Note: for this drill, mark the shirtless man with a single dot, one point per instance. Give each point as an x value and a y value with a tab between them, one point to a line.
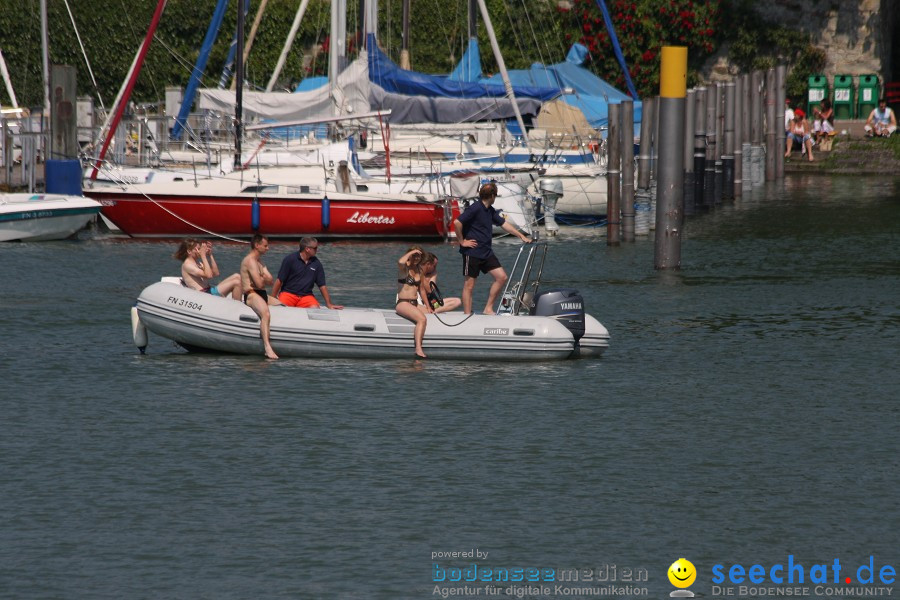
254	279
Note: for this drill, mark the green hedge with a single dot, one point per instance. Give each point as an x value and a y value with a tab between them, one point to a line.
112	31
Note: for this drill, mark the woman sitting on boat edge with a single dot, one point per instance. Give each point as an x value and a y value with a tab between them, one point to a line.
438	303
198	266
411	285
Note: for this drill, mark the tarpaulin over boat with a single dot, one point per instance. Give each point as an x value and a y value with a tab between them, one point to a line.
386	74
348	96
579	87
424	109
469	67
355	94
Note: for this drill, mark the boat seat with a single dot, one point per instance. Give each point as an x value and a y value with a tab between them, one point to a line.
177	280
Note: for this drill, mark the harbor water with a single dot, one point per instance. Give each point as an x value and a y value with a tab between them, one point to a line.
746	412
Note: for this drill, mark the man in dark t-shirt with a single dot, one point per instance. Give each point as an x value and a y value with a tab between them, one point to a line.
474	230
299	272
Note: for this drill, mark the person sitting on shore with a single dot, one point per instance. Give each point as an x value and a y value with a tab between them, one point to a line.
881	121
788	115
198	266
799	133
823	126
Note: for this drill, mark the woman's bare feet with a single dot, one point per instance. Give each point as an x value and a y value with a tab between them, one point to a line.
420	353
271	354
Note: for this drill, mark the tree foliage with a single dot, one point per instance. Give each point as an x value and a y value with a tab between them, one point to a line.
527	30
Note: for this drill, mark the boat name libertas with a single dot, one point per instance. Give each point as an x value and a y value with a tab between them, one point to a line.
365	218
184	303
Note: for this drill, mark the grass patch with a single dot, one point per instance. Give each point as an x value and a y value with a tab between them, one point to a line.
891	143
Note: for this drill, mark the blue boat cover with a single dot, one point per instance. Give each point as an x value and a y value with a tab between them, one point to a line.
390	77
579	87
469	67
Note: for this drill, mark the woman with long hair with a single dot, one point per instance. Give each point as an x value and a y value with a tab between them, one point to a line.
411	284
438	303
198	267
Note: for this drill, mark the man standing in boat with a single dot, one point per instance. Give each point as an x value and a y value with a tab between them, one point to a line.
474	230
254	279
299	272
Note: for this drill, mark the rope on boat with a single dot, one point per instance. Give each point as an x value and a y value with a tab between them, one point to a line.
182	219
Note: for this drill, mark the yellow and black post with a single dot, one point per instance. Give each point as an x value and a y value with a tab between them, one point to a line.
669	191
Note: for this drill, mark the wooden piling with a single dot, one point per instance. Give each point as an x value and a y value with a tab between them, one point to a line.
613	171
700	150
738	135
689	115
728	149
627	114
647	128
720	143
709	188
771	150
780	133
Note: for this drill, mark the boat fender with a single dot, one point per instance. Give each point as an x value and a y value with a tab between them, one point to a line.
434	297
138	330
326	212
254	215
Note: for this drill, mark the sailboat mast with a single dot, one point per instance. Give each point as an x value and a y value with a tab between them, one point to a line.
404	51
45	58
295	26
252	36
239	91
473	20
8	82
503	72
125	94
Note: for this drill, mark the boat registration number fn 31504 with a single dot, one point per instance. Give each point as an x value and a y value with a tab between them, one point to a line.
184	303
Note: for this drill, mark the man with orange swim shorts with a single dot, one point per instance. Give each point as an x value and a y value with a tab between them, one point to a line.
299	272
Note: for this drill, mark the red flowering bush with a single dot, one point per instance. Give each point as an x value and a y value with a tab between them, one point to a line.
642	28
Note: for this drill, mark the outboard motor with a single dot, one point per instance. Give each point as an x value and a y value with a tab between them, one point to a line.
551	192
565	305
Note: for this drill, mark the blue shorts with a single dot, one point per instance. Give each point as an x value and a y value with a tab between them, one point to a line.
214	290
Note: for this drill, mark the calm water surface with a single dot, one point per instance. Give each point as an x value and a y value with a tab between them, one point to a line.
746	411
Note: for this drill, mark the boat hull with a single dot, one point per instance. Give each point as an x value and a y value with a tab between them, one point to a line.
36	218
169	215
198	321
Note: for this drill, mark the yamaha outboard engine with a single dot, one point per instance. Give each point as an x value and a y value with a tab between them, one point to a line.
565	305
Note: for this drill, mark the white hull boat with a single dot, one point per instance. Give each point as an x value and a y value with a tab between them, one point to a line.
42	217
549	325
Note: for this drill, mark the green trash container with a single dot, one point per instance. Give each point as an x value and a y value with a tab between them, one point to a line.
843	97
867	96
818	91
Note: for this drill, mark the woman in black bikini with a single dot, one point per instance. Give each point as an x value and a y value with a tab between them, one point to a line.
411	283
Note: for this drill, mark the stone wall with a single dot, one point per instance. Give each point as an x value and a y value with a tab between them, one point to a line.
855	34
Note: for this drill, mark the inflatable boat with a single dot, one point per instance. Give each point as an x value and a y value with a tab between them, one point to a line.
531	325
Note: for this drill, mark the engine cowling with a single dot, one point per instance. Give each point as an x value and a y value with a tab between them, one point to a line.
565	305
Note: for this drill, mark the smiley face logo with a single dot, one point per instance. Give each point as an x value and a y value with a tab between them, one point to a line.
682	573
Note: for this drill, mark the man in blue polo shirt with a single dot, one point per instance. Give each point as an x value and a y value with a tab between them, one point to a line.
474	230
299	272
